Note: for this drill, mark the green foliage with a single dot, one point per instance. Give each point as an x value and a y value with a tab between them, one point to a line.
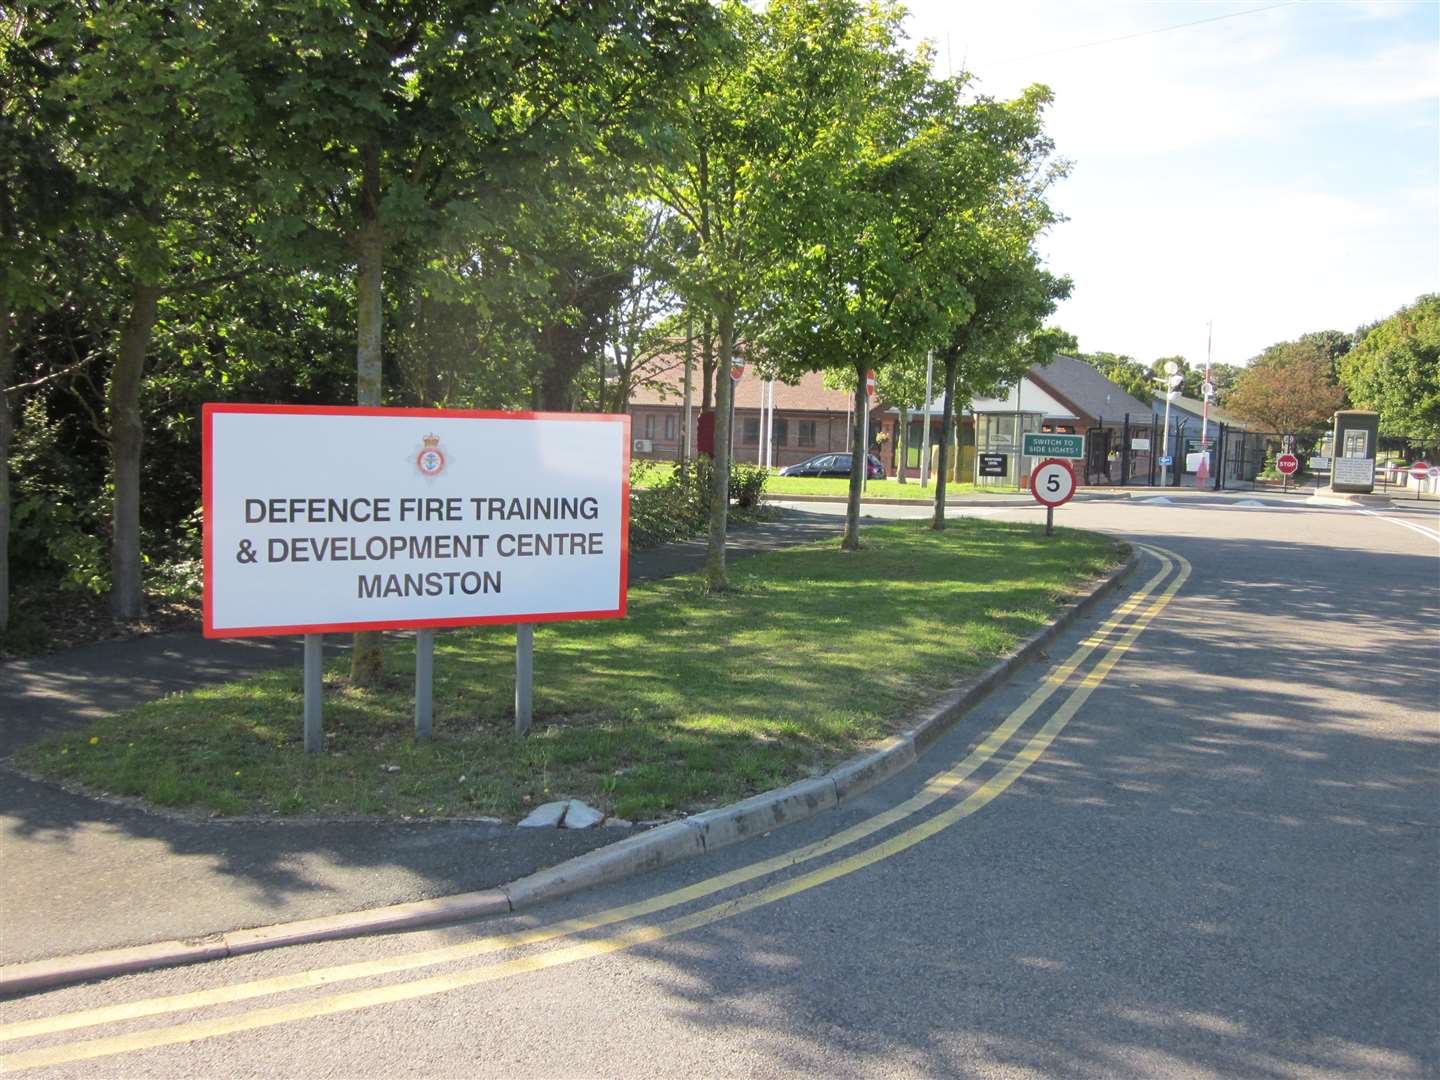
57	526
673	503
747	486
1395	370
1125	371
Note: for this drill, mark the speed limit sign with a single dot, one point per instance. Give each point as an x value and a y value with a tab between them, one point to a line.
1053	482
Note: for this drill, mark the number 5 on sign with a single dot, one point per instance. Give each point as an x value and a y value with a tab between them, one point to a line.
1052	483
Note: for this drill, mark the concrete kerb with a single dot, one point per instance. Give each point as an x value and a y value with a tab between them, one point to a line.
669	843
1009	500
64	970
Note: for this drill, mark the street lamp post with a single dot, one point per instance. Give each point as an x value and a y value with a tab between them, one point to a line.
1173	381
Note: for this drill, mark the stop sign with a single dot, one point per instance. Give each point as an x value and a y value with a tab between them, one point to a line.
1287	463
870	384
1420	470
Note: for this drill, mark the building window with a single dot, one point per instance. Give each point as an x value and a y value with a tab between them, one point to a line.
805	435
670	428
779	431
649	425
751	435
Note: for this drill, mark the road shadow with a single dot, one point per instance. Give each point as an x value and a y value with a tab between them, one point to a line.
1233	872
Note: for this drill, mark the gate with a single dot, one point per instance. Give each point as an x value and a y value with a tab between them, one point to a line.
1247	461
1097	456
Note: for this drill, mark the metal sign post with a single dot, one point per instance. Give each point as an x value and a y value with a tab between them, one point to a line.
687	441
865	440
314	685
1286	464
524	676
925	431
424	681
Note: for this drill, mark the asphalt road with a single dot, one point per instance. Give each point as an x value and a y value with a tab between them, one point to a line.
1200	841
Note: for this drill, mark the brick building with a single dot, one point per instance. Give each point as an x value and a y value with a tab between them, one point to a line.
809	419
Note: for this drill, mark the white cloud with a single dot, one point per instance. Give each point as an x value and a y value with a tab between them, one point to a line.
1196	192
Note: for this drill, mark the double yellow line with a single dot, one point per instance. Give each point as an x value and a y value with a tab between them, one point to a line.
938	787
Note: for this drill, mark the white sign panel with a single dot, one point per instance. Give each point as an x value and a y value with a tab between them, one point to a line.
1139	444
1353	471
321	519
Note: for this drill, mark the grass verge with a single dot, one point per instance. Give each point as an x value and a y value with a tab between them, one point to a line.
691	701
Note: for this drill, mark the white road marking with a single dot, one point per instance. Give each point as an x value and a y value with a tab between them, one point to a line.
1421	529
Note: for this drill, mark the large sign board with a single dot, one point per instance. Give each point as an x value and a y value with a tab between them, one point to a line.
1036	444
327	519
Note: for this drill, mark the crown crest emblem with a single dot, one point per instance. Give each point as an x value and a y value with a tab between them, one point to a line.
431	459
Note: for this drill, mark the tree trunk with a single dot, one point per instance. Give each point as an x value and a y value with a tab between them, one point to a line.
566	352
7	431
715	578
858	451
367	659
127	439
902	444
952	361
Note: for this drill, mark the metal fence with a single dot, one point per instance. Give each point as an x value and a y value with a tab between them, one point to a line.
1128	453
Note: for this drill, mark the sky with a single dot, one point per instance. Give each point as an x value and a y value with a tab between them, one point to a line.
1273	169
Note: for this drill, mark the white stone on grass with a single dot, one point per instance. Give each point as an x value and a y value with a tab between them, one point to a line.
581	816
546	816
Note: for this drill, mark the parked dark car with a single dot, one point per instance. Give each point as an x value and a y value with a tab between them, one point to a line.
832	465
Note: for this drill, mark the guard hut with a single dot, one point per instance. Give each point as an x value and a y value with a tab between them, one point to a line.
1000	426
1355	438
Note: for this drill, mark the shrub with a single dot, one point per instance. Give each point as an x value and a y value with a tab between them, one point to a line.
676	505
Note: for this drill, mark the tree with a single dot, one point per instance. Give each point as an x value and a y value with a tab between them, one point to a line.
138	101
881	242
1223	376
645	326
1290	390
33	186
1125	371
394	123
1001	340
1395	370
758	124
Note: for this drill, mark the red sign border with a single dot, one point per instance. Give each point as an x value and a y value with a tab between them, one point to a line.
1420	470
209	410
1035	492
1293	457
